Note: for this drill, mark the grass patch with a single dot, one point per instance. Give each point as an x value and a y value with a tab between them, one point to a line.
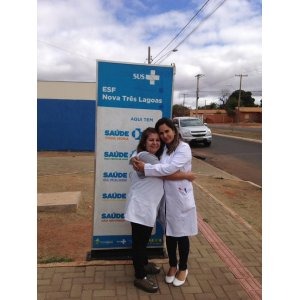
54	259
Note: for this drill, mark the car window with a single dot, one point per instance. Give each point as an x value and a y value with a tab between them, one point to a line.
190	122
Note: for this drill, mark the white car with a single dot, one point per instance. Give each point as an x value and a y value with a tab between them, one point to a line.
192	129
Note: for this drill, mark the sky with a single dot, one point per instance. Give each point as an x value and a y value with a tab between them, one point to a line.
216	38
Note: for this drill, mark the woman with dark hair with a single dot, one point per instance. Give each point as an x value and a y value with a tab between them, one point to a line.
180	208
142	205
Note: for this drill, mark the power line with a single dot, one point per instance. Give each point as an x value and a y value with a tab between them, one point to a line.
62	49
177	35
201	23
231	77
190	95
184	39
184	94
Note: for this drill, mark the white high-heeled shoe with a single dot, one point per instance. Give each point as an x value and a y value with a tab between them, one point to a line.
177	282
170	279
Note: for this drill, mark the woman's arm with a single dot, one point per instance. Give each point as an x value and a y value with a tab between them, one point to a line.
132	158
181	158
181	175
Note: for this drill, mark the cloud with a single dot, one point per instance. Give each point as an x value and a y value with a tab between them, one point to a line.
73	34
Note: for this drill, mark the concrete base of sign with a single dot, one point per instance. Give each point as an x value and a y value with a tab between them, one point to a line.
58	202
123	254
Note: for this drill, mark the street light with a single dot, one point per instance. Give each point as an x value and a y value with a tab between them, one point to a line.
161	59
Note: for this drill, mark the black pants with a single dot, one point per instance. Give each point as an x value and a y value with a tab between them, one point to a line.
140	238
183	244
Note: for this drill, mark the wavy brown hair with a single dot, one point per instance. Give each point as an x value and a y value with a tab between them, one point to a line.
168	122
142	143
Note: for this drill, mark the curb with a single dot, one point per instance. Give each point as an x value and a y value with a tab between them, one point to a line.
239	138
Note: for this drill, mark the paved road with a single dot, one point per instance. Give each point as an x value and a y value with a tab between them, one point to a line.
238	157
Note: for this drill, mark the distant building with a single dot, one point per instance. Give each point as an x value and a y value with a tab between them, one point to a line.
247	115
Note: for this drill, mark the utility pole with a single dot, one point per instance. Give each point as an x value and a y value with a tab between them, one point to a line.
203	119
184	98
197	92
239	101
149	56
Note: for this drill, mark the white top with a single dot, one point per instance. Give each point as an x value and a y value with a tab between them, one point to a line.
144	195
180	208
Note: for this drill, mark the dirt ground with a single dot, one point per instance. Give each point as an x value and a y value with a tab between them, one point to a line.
66	237
240	197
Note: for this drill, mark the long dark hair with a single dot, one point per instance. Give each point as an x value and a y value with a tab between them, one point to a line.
168	122
142	143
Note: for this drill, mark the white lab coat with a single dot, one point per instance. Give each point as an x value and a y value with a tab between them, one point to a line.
180	208
144	197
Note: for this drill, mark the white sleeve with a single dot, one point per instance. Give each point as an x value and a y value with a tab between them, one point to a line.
148	158
182	156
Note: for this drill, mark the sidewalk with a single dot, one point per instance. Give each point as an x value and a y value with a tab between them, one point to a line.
224	262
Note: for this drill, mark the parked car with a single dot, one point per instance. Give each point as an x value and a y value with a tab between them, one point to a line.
192	129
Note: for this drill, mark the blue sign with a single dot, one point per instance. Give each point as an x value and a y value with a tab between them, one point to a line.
135	86
130	98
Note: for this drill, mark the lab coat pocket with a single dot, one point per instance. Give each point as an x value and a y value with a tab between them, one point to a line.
186	197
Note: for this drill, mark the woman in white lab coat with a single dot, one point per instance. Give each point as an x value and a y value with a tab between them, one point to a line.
142	205
180	208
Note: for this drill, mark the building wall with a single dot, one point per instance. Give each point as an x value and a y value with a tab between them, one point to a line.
250	117
251	114
247	115
212	115
66	113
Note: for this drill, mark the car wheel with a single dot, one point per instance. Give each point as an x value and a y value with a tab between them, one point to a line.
207	144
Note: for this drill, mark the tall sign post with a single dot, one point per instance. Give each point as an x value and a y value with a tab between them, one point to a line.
130	98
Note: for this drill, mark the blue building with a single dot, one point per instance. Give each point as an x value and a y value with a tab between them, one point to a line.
66	113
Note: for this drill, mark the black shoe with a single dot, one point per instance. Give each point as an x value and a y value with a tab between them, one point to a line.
152	268
146	285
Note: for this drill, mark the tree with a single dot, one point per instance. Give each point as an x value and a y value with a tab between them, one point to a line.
213	105
246	101
230	106
246	98
223	98
180	111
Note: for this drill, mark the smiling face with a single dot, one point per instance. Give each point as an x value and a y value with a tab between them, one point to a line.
152	143
166	134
